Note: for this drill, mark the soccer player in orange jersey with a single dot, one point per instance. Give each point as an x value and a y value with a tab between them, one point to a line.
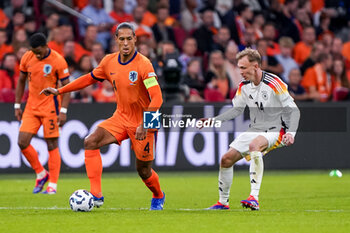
42	67
136	89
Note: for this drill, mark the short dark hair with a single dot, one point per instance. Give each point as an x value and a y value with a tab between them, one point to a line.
125	25
269	23
206	8
70	62
162	6
3	61
260	40
37	39
241	7
323	57
97	43
6	55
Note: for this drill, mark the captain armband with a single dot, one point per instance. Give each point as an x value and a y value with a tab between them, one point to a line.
150	82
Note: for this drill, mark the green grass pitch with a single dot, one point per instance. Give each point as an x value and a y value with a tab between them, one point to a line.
294	201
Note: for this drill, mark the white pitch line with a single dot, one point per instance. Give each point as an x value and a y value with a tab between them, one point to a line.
179	209
327	210
33	208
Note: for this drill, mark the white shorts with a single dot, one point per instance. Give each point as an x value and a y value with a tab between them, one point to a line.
241	143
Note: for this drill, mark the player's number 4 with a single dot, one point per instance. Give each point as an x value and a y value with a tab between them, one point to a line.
146	147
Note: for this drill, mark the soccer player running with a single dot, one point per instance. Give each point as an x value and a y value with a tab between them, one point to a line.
136	88
274	120
42	67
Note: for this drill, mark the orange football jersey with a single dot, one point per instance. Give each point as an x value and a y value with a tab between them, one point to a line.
127	80
41	74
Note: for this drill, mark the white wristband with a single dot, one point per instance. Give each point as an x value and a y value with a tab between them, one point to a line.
17	106
63	110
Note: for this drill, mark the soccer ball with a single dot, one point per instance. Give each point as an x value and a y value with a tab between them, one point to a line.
81	200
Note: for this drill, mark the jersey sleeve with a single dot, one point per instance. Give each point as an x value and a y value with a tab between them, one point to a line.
24	62
148	75
147	70
283	95
290	112
99	73
239	101
238	107
62	69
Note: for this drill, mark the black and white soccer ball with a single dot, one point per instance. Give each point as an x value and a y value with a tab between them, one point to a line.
81	200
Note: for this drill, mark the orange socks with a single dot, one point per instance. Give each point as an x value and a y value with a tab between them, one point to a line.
54	165
93	165
54	162
153	184
33	158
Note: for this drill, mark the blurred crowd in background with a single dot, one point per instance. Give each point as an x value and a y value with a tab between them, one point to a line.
192	44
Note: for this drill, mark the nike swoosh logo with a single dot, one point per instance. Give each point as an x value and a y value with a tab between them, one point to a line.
111	73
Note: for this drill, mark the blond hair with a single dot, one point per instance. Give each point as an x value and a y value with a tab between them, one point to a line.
286	42
252	55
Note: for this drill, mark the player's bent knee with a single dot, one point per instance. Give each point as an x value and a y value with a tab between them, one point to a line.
230	158
90	143
52	144
51	147
22	143
253	147
144	172
258	144
226	161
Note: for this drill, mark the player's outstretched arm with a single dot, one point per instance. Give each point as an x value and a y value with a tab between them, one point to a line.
226	116
229	114
79	83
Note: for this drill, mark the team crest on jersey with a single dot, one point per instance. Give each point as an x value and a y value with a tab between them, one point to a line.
47	69
133	76
264	95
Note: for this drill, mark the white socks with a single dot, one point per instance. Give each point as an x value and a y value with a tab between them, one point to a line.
256	171
225	181
41	174
52	185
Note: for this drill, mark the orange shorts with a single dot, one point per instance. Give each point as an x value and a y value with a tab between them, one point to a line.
144	149
31	124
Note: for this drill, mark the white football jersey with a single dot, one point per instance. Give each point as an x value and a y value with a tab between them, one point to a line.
270	104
